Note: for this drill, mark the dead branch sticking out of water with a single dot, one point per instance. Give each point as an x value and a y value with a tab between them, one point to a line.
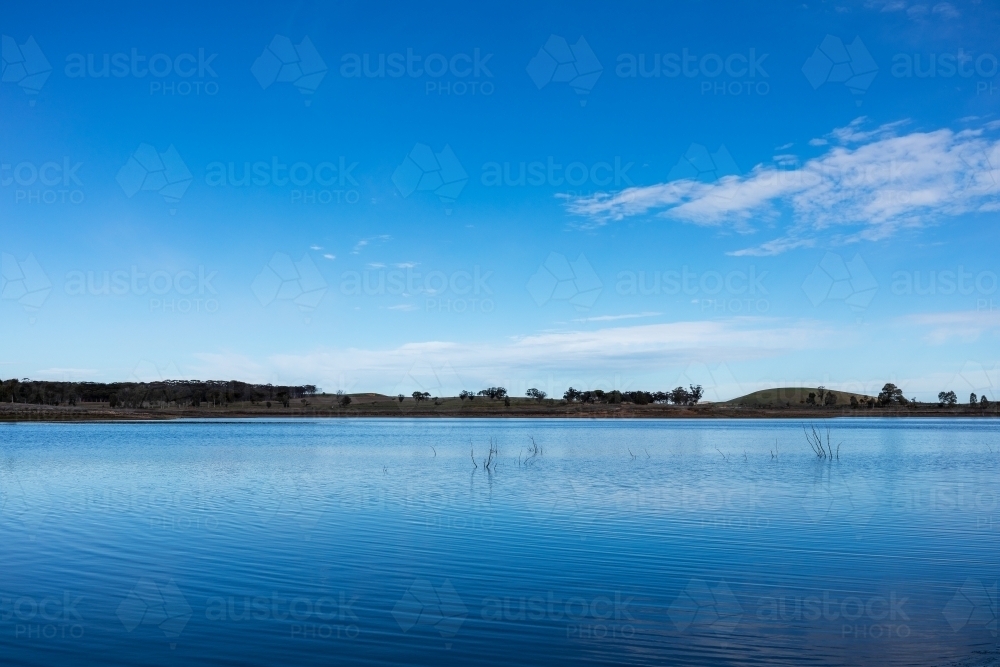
494	454
815	441
535	451
631	454
723	455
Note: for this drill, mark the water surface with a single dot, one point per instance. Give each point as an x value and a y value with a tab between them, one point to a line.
382	542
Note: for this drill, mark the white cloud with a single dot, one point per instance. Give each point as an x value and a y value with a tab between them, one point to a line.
946	10
609	351
966	326
360	245
612	318
773	247
876	181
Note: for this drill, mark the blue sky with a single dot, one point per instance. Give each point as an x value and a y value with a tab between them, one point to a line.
381	197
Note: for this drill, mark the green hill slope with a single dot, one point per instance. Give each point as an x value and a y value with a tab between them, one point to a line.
792	395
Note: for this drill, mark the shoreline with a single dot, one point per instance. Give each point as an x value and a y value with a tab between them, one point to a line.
26	413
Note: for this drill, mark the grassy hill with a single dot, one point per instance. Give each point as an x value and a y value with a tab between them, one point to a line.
793	395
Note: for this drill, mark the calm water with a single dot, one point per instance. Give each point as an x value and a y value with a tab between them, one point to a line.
378	542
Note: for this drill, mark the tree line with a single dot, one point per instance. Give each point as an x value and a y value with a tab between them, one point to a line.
181	393
678	396
893	395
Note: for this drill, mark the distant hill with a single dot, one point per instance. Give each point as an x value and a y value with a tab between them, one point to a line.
794	395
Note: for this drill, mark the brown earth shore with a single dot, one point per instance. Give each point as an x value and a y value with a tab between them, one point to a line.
376	405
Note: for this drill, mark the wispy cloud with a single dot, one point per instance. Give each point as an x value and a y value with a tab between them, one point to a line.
363	243
612	350
875	180
965	326
612	318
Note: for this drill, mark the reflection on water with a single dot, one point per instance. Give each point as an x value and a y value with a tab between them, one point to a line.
647	542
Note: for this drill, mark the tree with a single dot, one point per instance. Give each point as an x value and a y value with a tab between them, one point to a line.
695	392
464	394
854	402
571	394
345	401
421	396
679	396
973	399
830	399
537	394
821	390
983	401
641	397
947	398
811	398
494	393
400	397
890	394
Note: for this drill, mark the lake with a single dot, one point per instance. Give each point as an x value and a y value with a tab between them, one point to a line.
302	542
